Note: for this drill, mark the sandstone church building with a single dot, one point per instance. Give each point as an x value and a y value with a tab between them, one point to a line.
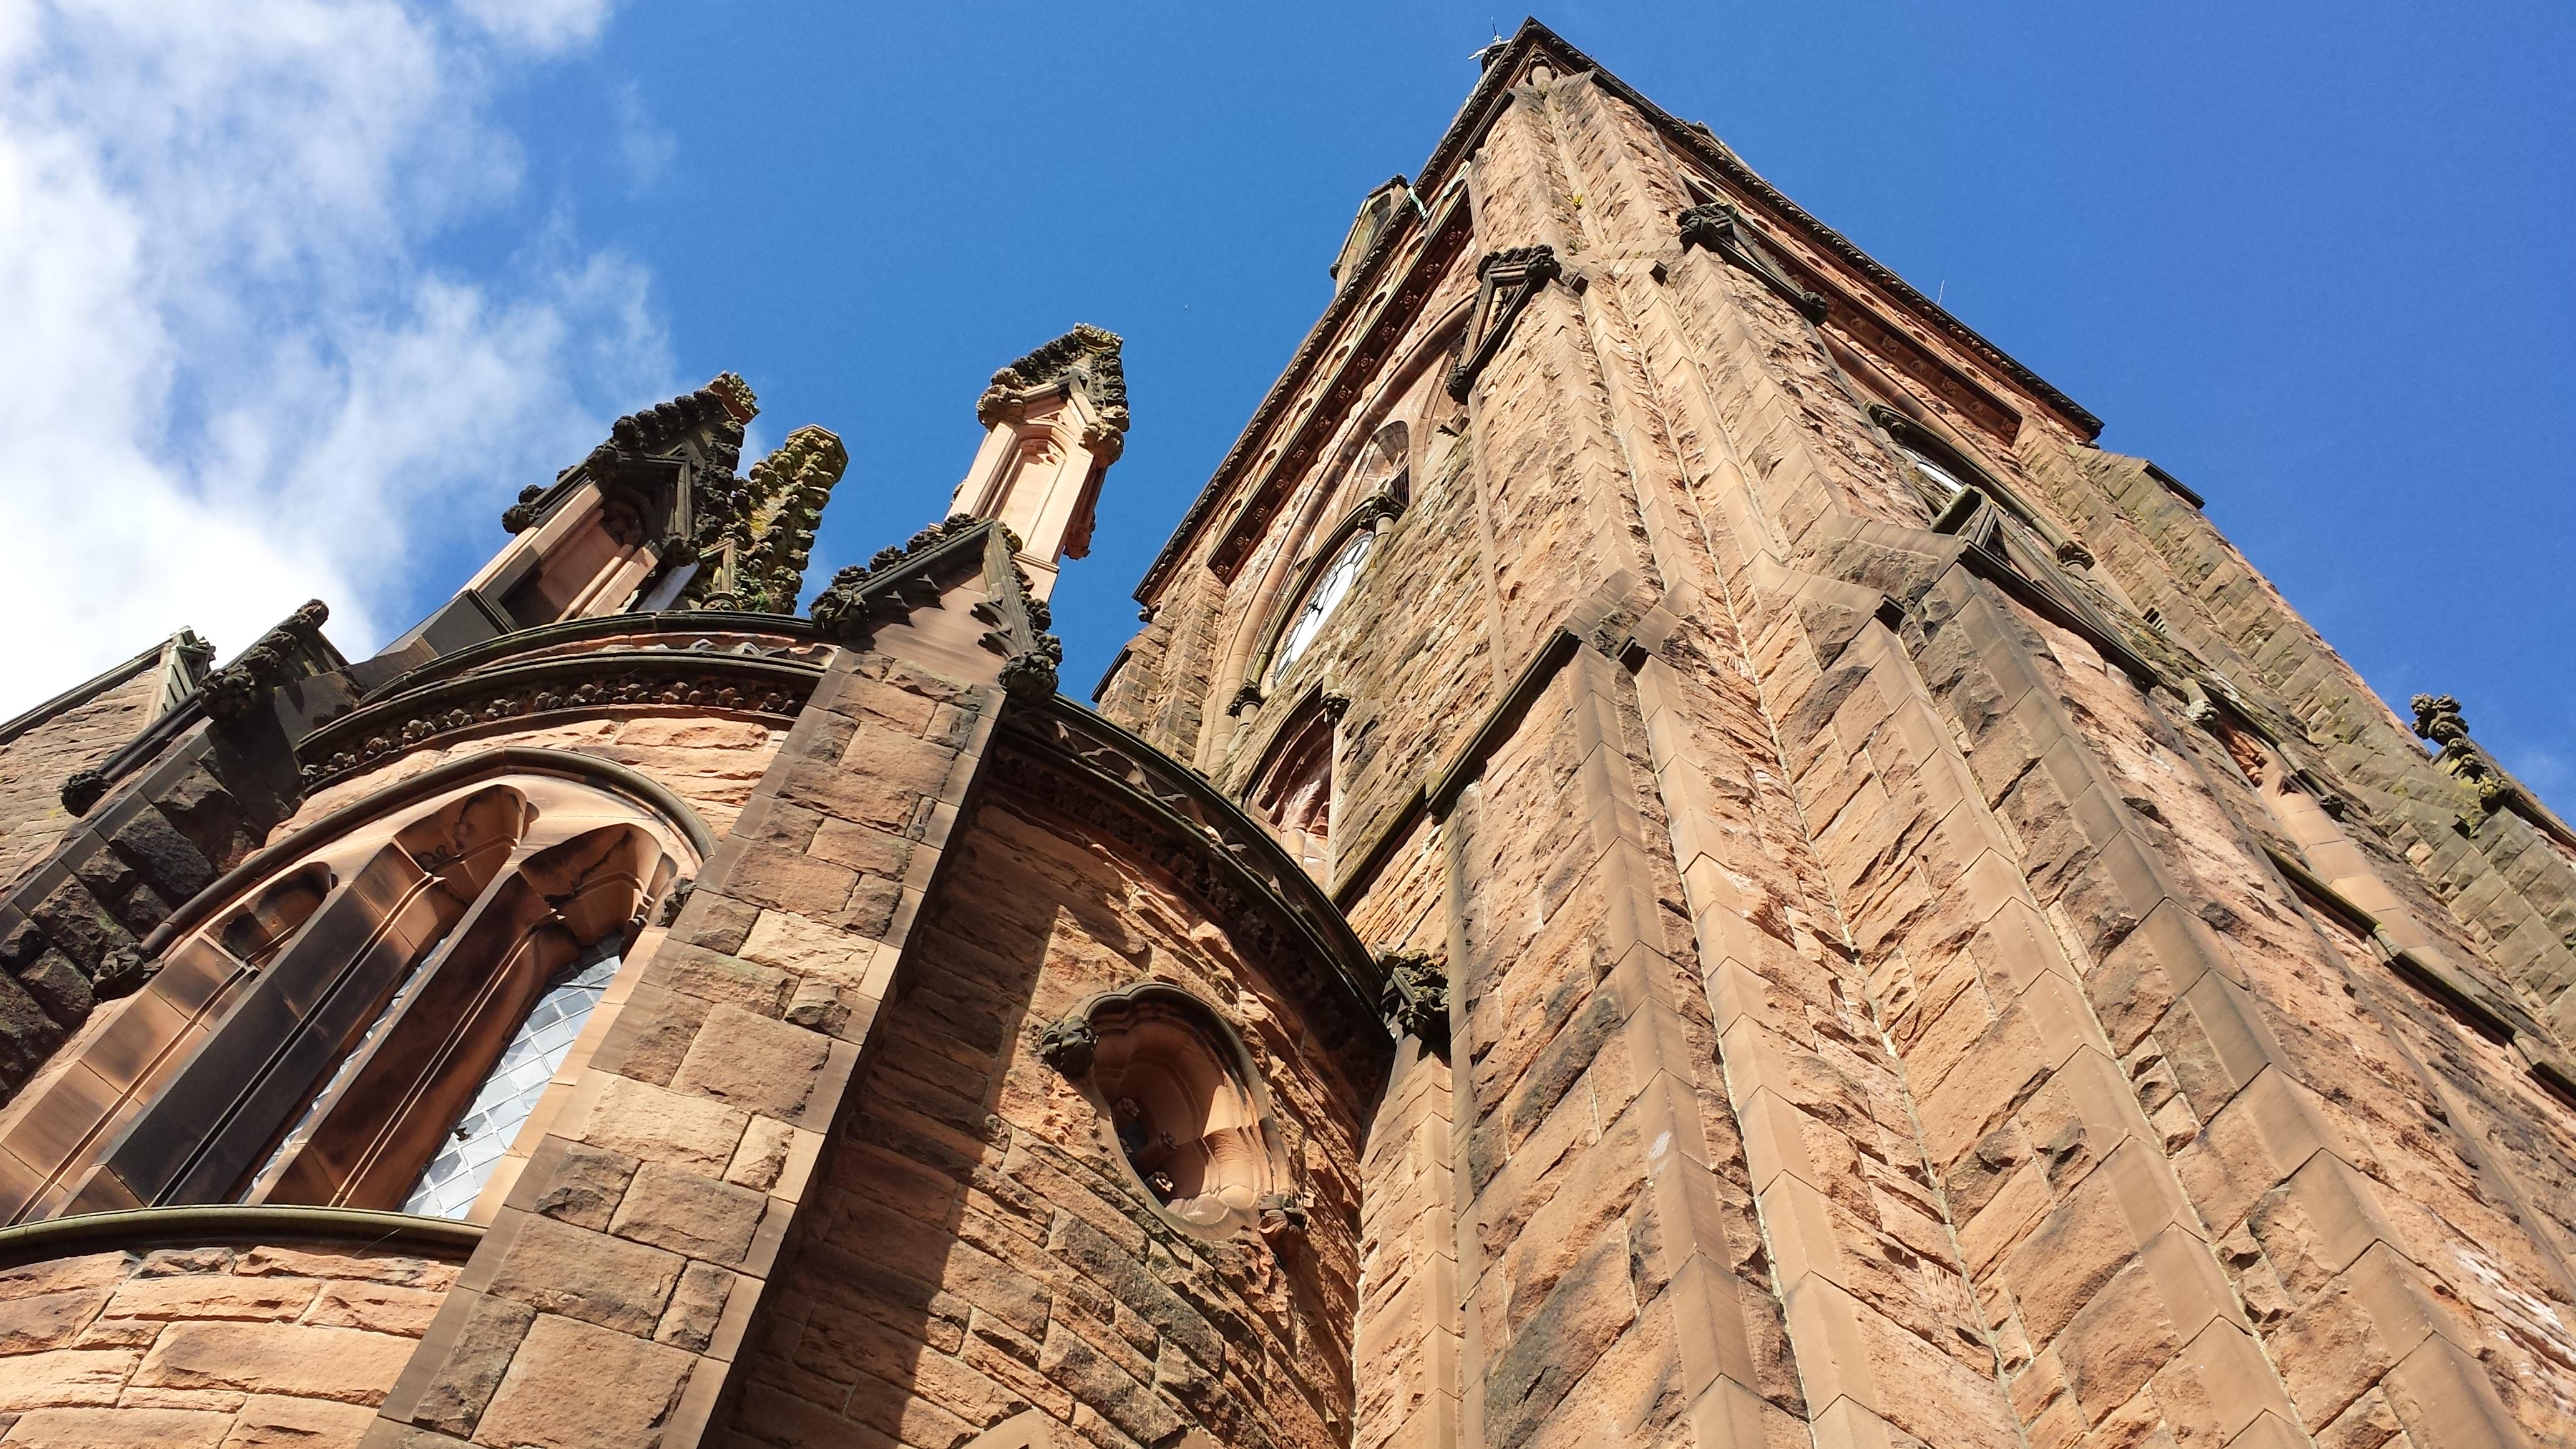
1679	860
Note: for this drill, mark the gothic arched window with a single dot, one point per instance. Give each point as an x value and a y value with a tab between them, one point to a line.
1294	792
379	1002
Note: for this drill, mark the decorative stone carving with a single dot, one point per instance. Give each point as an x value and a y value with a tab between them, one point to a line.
841	609
234	689
83	790
2438	718
763	534
1068	1045
1510	278
1717	229
122	972
1087	358
1031	673
521	516
1417	995
1245	697
760	684
1335	703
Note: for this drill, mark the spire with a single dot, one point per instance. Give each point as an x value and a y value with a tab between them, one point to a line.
1056	420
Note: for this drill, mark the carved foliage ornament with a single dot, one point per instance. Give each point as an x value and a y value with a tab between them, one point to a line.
232	690
766	686
702	429
2438	718
762	534
1417	995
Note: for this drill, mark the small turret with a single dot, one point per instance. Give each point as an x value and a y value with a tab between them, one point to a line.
1057	419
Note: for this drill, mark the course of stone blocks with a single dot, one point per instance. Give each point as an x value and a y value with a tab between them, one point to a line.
1680	859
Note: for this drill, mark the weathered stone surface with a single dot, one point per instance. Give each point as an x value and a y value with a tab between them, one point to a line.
558	1268
285	1358
552	1396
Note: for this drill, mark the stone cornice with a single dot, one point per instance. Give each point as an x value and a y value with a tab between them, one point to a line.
779	633
1067	758
563	686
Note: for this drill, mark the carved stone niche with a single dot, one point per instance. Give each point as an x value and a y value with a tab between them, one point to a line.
1182	1105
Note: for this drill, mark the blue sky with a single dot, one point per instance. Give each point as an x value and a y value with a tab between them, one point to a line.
2319	271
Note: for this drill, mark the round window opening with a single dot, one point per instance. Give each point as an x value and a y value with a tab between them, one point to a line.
1180	1099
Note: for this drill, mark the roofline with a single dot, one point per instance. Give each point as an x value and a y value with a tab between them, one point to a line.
89	689
1484	103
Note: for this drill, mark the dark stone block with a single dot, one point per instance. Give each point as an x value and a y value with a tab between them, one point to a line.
21	941
59	988
83	929
175	868
107	876
208	815
27	1035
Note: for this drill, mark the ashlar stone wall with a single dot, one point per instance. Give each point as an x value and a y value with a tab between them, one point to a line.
976	1251
35	763
1883	1009
217	1347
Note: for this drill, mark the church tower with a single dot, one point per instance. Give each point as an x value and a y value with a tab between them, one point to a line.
1936	951
1681	859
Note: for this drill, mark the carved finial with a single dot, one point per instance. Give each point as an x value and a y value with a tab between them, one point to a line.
1086	357
761	533
736	395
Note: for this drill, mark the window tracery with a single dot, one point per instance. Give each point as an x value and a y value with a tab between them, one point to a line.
397	979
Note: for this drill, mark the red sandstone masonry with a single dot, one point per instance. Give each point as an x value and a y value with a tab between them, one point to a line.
615	1289
977	1251
2064	1118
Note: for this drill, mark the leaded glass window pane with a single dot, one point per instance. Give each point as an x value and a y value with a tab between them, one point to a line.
501	1107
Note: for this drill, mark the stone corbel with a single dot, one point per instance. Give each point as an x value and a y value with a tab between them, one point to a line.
1417	995
1718	230
1510	279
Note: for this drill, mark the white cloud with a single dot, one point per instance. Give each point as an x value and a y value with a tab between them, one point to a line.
646	148
236	382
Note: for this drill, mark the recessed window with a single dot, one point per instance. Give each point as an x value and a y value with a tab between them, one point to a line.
1184	1106
1323	596
1295	793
